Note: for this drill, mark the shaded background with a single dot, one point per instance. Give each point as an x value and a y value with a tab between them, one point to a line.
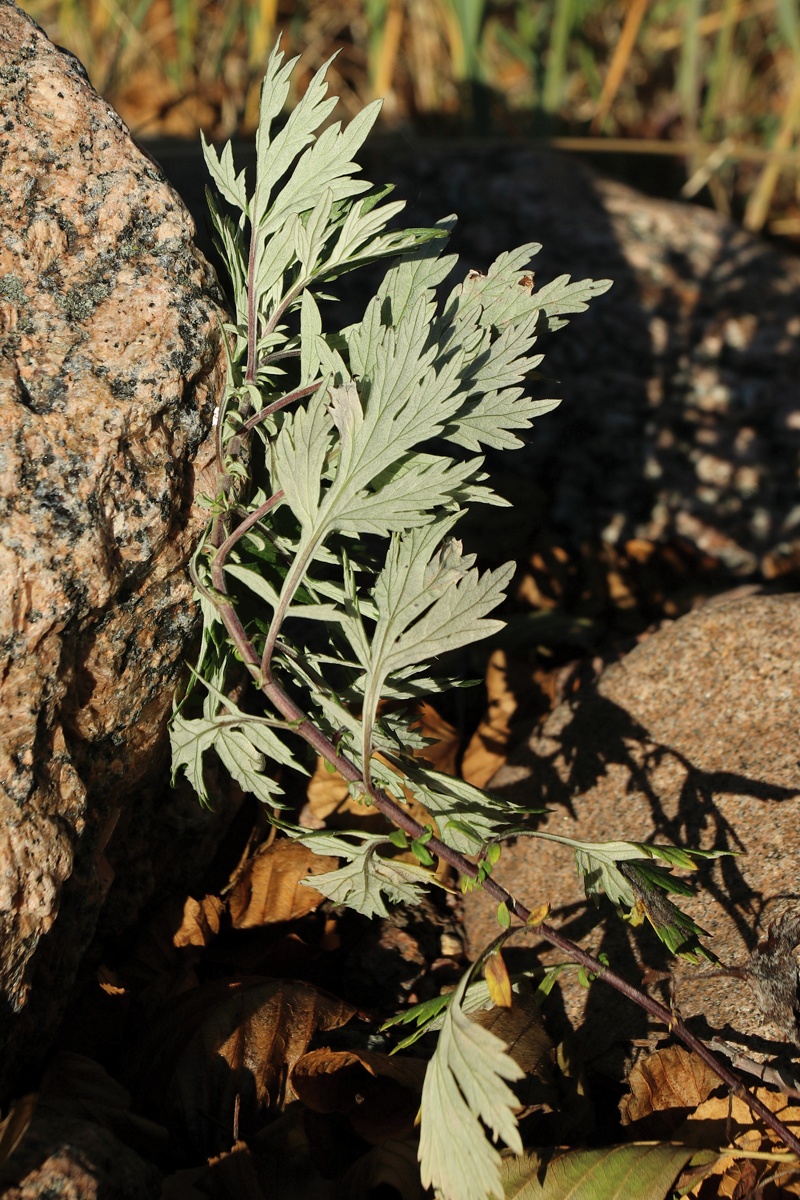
698	97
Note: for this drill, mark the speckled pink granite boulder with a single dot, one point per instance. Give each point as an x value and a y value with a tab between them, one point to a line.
692	739
110	370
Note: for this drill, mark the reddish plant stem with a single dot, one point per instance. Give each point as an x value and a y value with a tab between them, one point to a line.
241	529
276	405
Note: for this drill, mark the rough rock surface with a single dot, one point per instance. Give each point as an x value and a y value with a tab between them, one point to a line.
110	370
80	1140
692	740
75	1159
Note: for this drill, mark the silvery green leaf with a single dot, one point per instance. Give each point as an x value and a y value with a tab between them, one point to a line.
273	158
189	741
245	763
221	169
563	296
502	295
273	257
258	730
310	235
331	363
466	816
365	339
367	880
326	163
241	748
429	601
465	1088
310	337
298	455
505	365
360	226
455	618
255	581
230	244
406	497
416	274
490	420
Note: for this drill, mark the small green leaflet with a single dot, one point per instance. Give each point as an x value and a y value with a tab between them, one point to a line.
429	1016
465	1084
368	880
631	880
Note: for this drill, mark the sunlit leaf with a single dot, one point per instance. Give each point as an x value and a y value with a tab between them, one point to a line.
635	1172
465	1085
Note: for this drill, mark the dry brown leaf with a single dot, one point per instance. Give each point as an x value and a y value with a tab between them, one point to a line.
224	1052
379	1094
390	1169
110	982
269	888
717	1109
488	746
544	584
443	752
727	1120
200	924
327	794
666	1079
522	1030
498	980
234	1174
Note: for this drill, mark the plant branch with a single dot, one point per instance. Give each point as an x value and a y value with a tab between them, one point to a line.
403	820
241	529
298	394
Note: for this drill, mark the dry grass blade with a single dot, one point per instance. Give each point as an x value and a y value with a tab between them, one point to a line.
758	206
385	47
619	61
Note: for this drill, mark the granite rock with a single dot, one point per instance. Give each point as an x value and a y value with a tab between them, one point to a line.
75	1159
78	1139
110	371
691	739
